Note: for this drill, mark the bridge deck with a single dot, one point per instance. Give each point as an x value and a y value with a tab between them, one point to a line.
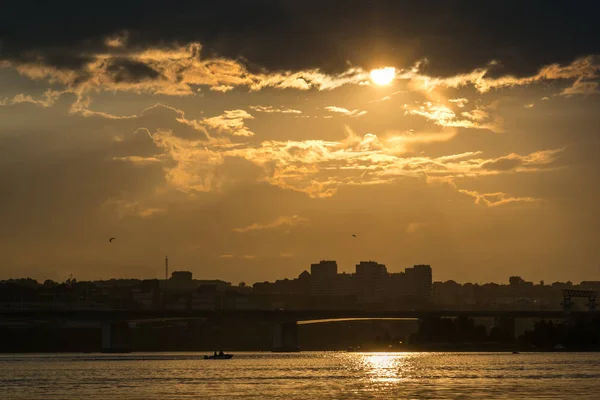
289	315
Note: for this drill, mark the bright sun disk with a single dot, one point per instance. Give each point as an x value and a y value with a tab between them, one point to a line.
383	76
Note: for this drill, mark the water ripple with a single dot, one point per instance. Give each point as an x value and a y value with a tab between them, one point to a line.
330	375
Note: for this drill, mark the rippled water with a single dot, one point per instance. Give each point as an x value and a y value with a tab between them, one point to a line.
328	375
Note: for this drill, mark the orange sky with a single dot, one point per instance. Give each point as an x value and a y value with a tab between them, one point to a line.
251	169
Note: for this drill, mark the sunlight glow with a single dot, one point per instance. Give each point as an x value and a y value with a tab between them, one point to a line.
383	76
385	367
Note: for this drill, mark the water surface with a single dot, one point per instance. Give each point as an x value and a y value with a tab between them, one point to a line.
329	375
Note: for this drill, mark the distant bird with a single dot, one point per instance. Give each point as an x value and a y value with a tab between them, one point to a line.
111	239
353	236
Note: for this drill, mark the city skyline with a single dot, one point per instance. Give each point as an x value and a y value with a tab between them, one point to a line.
247	139
168	273
370	287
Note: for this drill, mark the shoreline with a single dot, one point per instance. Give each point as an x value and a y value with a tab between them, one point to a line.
430	350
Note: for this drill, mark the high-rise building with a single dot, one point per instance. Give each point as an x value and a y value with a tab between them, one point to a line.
323	277
181	281
181	276
345	285
370	281
419	280
396	285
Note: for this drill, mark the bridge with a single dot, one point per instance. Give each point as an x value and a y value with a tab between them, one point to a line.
115	323
273	315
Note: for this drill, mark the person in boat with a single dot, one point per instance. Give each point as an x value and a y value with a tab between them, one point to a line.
215	354
221	353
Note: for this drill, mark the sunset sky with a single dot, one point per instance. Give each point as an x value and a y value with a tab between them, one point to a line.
249	139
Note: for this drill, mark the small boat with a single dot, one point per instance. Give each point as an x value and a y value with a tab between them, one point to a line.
219	357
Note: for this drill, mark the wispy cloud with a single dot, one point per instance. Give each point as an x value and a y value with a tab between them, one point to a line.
583	86
138	159
277	223
460	103
231	121
497	199
319	168
349	113
191	165
221	88
388	97
242	257
583	73
536	160
124	208
49	98
443	115
117	41
271	109
175	70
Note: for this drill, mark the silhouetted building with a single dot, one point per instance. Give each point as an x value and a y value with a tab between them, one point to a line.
181	276
147	294
181	281
205	298
210	297
396	286
370	281
346	284
590	285
448	294
233	300
419	280
323	278
300	285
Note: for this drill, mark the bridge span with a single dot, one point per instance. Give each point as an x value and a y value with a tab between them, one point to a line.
275	315
115	324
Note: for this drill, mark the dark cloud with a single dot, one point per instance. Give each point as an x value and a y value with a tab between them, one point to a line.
455	36
124	70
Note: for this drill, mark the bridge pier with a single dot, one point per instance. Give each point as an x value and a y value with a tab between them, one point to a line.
285	337
116	337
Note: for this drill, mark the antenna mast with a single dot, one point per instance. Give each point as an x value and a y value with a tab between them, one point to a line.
166	268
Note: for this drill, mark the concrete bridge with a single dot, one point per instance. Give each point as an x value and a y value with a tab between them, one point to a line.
115	324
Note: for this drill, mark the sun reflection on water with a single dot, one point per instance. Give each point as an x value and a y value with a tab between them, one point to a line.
384	368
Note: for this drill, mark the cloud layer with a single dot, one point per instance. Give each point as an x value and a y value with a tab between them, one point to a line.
283	35
245	139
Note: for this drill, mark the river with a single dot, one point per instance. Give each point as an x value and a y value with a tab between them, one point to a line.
310	375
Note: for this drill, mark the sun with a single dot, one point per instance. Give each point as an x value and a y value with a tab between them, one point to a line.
383	76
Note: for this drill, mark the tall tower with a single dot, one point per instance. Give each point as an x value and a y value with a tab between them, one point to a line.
166	268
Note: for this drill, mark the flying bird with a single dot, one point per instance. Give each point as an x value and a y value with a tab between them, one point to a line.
353	235
111	239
